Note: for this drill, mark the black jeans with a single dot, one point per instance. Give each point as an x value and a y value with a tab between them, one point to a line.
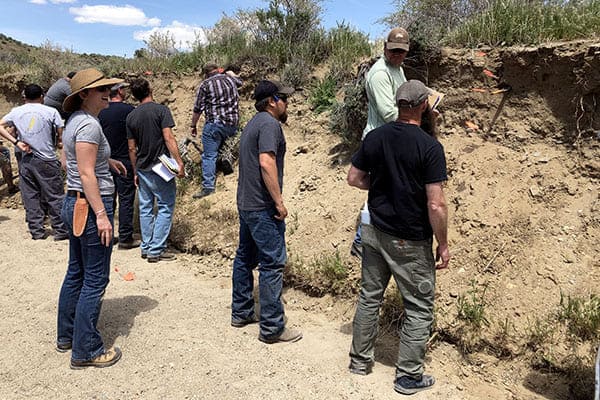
125	193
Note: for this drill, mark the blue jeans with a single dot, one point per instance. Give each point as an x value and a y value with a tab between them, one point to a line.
262	243
82	290
213	135
125	190
155	228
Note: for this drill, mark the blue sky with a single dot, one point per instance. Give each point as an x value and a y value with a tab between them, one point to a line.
118	28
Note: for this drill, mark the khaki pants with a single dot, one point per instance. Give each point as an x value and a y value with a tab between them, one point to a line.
412	265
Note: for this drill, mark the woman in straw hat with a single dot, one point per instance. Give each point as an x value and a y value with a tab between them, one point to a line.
88	213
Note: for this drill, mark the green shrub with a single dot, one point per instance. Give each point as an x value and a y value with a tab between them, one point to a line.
581	316
471	306
512	22
322	95
347	46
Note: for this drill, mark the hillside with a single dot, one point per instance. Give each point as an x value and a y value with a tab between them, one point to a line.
523	196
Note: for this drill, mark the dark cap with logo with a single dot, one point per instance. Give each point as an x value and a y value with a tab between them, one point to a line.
265	89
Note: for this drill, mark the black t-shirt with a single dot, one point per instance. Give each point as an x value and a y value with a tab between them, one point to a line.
401	159
145	125
262	134
112	120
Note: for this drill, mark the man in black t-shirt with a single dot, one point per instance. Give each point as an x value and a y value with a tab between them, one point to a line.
404	169
262	214
150	135
112	120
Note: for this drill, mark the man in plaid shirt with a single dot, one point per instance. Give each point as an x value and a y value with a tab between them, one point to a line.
218	99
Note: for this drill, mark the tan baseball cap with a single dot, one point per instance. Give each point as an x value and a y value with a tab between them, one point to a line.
397	39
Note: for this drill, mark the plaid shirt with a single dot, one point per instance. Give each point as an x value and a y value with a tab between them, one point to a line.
218	98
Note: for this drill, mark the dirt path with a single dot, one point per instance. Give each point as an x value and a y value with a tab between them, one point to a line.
173	328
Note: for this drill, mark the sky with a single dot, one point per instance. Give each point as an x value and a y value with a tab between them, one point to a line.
119	28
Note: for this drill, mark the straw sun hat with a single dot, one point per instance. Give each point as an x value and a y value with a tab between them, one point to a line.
86	79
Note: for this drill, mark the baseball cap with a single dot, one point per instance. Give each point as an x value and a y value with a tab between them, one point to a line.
412	93
397	39
266	89
119	86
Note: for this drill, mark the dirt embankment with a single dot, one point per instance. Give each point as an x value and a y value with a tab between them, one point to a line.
523	200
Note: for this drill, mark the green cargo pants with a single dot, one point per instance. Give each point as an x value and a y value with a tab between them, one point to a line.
412	265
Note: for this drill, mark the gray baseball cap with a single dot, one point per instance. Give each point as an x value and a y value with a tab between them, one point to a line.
412	93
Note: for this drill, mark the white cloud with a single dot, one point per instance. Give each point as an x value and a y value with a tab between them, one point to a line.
113	15
185	35
41	2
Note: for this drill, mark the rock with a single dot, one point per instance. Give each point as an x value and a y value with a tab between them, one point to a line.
535	191
569	257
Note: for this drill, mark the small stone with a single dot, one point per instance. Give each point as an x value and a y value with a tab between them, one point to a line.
569	257
535	191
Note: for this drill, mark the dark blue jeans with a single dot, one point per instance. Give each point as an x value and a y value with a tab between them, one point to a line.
125	191
82	290
262	243
213	135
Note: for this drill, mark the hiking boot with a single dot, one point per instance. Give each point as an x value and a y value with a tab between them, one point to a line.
407	385
203	193
356	250
164	256
288	335
240	323
132	244
63	347
360	368
106	359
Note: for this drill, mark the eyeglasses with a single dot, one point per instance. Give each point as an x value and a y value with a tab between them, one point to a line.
102	89
280	96
397	51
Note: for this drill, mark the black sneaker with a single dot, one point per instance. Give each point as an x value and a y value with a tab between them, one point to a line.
164	256
62	236
360	368
132	244
407	385
203	193
41	237
240	323
63	347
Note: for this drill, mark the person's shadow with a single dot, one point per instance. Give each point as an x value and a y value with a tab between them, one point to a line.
118	316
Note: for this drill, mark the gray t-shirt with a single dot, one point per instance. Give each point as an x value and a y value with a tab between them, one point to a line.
83	127
262	134
35	123
57	93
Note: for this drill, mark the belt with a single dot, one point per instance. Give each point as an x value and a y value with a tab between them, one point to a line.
74	193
